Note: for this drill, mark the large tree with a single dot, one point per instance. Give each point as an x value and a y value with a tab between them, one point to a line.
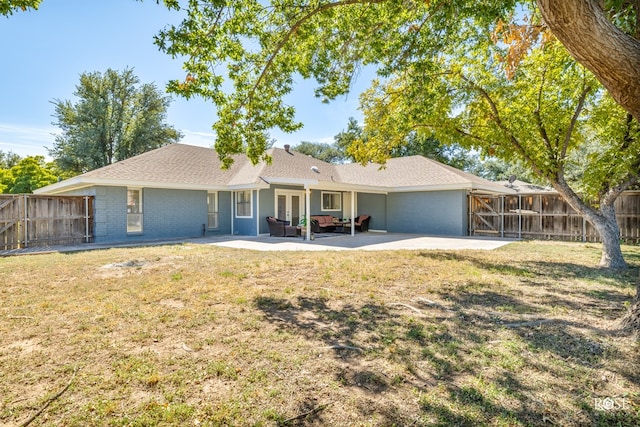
541	108
28	174
114	118
261	46
329	153
413	143
8	159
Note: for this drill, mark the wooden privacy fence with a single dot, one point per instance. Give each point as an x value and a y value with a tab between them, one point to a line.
27	220
546	216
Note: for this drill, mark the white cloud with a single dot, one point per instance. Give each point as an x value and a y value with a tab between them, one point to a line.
26	140
201	139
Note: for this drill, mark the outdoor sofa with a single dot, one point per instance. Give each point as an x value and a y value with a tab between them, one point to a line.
322	223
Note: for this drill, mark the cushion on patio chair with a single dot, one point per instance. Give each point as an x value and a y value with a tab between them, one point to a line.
281	228
362	223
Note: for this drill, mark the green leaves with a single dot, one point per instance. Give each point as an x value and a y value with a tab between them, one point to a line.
28	174
114	118
244	56
329	153
7	7
445	67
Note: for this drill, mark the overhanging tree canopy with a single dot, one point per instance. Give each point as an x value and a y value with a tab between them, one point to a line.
260	47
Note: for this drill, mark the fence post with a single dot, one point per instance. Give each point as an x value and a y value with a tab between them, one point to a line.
26	222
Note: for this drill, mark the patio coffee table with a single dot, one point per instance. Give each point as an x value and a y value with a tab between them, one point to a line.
342	226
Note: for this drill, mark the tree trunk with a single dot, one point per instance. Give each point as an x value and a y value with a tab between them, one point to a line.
603	220
611	55
609	231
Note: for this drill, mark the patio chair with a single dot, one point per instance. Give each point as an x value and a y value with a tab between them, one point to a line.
281	228
362	223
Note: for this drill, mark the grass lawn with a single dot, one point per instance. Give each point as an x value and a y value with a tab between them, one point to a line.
195	335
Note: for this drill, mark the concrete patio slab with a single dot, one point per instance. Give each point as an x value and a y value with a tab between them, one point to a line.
365	241
326	242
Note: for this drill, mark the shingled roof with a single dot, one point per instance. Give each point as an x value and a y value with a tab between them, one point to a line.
414	172
174	163
190	167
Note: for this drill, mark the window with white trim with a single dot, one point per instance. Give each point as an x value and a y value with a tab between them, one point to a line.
212	210
244	204
134	210
331	201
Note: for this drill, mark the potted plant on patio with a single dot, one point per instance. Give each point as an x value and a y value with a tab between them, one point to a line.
303	228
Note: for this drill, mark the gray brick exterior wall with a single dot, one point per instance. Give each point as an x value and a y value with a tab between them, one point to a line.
442	213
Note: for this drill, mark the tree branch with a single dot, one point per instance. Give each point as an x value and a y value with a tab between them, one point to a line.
541	128
49	401
498	120
304	415
292	30
574	119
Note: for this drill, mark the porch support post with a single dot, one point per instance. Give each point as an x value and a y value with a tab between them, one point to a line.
502	216
307	210
86	219
353	213
233	196
258	212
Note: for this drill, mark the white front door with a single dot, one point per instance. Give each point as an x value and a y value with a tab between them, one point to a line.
290	205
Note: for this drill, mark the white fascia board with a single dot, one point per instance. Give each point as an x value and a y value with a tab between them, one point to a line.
63	186
290	181
425	188
83	182
240	187
334	186
492	189
466	186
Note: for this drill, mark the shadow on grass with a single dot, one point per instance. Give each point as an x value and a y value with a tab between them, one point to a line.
378	334
603	303
532	269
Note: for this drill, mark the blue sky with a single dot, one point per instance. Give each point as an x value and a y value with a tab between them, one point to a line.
45	51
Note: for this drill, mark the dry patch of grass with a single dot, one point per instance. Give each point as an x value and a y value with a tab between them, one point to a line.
206	336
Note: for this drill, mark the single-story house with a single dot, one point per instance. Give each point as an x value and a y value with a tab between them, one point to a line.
180	191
